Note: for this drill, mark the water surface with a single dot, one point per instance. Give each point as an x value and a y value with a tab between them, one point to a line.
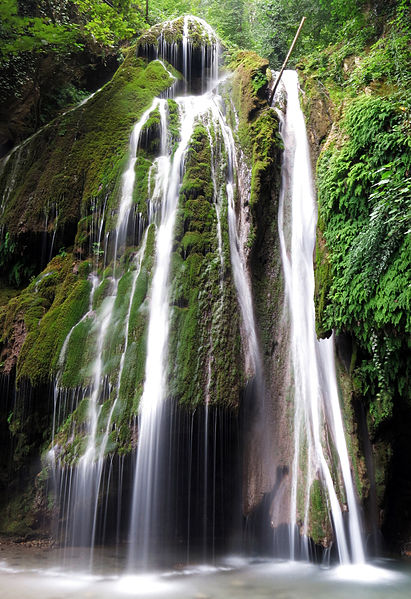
29	574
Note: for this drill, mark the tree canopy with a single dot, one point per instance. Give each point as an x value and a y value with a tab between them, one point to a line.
268	26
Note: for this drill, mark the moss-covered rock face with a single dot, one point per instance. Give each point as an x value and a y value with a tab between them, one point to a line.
251	77
63	186
256	128
258	135
170	32
362	261
206	362
71	168
120	307
319	522
34	323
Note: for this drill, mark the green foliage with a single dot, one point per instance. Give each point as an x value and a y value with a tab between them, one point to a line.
258	81
42	28
387	60
76	162
109	23
365	218
229	19
32	34
274	23
364	57
161	10
14	264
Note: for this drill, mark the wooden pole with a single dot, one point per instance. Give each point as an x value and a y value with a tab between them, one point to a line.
146	11
285	62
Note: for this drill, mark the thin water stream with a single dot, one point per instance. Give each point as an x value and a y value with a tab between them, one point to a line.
316	401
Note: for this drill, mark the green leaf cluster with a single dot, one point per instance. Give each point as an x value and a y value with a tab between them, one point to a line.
33	34
361	57
108	23
364	190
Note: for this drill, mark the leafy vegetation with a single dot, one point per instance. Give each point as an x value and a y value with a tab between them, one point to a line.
39	26
26	33
365	220
110	22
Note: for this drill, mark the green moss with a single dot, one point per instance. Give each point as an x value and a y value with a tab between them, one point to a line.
362	264
40	352
141	192
258	136
150	133
48	297
351	431
323	280
102	292
205	360
78	354
195	242
173	122
266	146
82	168
135	358
248	97
50	306
6	293
319	521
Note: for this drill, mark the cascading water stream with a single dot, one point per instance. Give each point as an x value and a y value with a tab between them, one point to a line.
315	387
144	512
241	280
81	482
84	480
129	179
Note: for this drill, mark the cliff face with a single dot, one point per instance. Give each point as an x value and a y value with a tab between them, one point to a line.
61	192
358	121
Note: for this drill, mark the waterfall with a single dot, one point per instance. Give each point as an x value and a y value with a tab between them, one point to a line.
196	56
316	402
78	487
85	421
172	458
146	512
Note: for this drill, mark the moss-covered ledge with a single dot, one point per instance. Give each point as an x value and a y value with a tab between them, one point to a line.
34	324
257	132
